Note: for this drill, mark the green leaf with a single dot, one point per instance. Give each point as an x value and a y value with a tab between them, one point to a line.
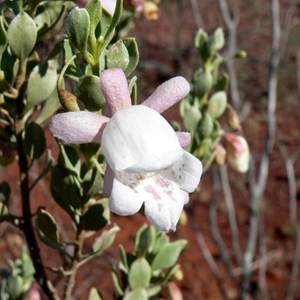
217	104
137	294
114	22
96	217
117	56
4	192
65	191
144	240
69	159
72	70
78	28
203	82
94	10
47	229
92	183
34	141
117	284
15	287
217	41
200	39
139	273
161	240
168	255
191	117
206	125
134	56
3	37
52	104
22	34
153	290
94	294
105	240
41	83
89	92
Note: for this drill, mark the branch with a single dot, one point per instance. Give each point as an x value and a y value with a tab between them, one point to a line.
231	24
257	189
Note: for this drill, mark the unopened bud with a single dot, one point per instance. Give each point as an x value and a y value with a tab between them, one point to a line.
233	119
220	154
151	11
69	101
238	154
34	293
240	54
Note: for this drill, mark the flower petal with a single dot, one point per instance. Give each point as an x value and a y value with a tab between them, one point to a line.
123	200
115	89
163	201
109	5
184	138
168	93
78	127
186	172
139	139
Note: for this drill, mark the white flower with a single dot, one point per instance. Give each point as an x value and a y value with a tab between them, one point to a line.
146	162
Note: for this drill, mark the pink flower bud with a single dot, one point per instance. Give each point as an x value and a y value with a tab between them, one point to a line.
174	291
238	154
34	293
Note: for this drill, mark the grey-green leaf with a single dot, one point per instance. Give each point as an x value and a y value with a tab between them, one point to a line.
78	28
96	217
89	92
168	255
94	295
133	51
34	141
136	294
117	56
41	83
139	273
217	104
105	240
22	34
191	117
47	229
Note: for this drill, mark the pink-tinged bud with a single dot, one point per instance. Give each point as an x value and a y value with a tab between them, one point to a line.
238	154
34	293
175	292
233	119
220	154
151	11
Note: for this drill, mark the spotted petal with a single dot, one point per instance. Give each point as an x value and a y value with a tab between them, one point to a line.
186	172
78	127
138	139
115	89
168	93
163	201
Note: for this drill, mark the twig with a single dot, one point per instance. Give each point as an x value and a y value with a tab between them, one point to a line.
210	261
70	283
258	188
231	24
292	184
196	13
231	214
214	222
